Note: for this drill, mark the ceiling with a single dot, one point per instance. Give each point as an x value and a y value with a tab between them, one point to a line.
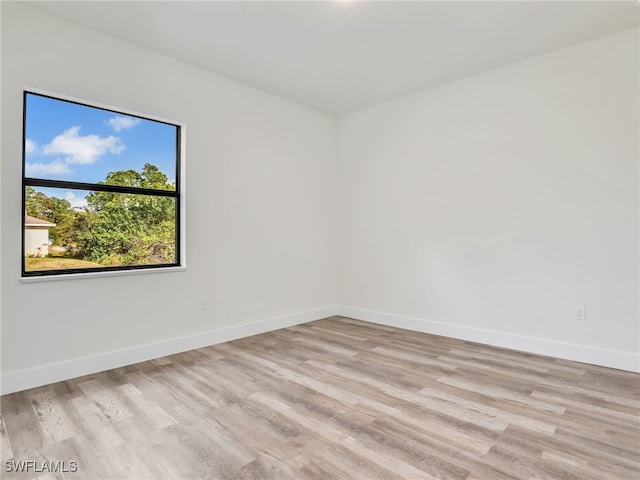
341	56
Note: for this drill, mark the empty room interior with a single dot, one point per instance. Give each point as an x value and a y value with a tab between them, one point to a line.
320	240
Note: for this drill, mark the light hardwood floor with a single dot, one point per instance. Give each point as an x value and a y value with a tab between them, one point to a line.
333	399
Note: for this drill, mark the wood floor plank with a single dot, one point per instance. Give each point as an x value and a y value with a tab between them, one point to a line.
5	445
94	424
55	422
497	392
336	398
107	399
24	432
157	417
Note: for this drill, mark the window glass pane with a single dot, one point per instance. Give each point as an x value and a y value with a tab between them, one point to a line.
73	221
77	229
67	141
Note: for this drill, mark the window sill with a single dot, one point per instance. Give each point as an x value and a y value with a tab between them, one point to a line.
82	276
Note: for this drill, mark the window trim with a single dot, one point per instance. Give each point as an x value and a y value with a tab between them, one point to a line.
178	194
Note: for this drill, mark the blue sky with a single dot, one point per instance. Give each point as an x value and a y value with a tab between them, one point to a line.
67	141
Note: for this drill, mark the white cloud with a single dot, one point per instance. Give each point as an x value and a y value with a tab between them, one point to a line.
122	123
76	202
57	167
30	147
82	150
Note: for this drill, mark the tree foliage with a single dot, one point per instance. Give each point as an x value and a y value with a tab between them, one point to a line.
117	228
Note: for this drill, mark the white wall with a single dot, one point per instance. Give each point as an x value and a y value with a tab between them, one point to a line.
491	207
260	209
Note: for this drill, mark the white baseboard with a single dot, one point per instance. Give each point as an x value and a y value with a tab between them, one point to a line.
569	351
37	376
34	377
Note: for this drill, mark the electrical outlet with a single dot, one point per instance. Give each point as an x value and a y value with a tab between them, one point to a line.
205	304
581	313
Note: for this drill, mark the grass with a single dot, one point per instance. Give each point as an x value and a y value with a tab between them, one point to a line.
56	263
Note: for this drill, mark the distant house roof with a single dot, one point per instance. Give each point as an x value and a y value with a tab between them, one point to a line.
37	222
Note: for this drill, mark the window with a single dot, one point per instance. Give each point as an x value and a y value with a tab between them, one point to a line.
101	189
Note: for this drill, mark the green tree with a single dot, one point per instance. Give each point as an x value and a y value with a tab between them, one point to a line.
128	229
37	203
